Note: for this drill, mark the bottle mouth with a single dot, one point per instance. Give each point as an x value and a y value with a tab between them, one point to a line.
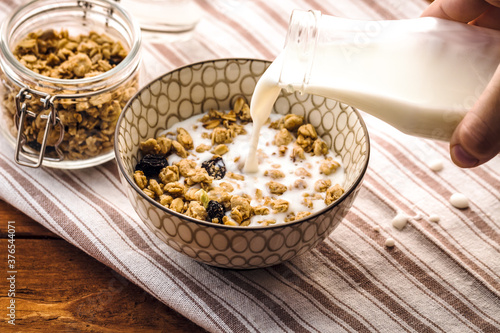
298	52
81	15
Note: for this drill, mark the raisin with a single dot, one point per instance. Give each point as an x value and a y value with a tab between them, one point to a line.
50	151
215	167
115	60
35	145
152	164
215	211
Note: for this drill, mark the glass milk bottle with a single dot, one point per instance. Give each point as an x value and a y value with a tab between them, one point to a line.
419	75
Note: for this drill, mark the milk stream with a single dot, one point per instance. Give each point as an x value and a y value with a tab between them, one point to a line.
419	75
265	94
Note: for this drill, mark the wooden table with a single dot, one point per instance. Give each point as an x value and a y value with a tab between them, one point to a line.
59	288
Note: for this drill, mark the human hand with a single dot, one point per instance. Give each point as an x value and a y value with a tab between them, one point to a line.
476	139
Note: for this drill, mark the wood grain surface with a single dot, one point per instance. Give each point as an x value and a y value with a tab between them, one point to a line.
59	288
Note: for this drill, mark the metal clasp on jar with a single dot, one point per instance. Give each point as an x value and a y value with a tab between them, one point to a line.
87	6
35	159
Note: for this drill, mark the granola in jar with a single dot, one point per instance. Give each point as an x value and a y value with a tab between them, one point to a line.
63	88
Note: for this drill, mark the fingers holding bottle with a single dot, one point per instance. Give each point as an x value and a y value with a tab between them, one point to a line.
476	139
484	13
463	11
490	18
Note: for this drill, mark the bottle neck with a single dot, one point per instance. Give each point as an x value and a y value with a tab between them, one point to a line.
298	53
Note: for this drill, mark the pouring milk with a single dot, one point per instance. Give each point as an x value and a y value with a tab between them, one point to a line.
419	75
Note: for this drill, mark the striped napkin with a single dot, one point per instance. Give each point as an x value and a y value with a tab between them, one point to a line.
439	277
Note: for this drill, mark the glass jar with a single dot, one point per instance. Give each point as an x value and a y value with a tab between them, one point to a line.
67	70
171	16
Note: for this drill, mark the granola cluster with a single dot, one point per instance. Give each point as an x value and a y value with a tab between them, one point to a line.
195	178
88	122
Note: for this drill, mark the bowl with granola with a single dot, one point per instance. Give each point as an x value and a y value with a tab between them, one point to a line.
182	143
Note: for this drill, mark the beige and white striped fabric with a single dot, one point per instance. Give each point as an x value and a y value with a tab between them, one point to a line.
440	277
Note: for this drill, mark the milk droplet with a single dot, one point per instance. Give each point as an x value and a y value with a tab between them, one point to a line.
399	221
458	200
434	218
389	242
436	165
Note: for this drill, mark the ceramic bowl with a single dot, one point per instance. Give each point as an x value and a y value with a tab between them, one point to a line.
217	84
